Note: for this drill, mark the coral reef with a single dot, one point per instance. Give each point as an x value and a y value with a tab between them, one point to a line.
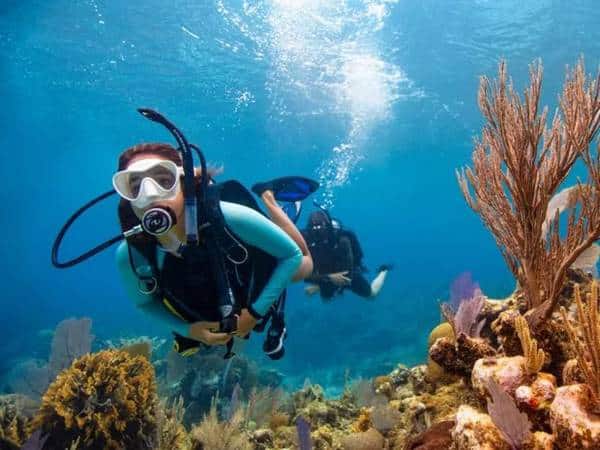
106	400
515	373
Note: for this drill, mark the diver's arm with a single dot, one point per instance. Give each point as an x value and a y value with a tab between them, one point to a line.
255	229
148	303
347	249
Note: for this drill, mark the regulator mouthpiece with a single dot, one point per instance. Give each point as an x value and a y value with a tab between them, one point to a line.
158	221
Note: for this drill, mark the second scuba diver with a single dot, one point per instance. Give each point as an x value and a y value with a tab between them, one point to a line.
337	260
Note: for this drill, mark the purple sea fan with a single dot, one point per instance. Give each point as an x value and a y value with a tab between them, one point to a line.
512	423
35	442
303	430
462	288
465	319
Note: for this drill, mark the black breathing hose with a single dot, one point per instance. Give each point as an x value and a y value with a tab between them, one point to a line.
67	225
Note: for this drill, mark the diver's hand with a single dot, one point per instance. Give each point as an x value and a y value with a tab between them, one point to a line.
339	278
206	332
312	289
245	323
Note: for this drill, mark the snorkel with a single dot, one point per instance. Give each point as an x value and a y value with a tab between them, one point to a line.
189	192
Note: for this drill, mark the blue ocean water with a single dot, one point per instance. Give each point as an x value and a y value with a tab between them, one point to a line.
374	98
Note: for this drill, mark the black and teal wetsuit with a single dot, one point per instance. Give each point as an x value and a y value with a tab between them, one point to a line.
273	259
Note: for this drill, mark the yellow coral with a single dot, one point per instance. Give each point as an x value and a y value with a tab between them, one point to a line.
107	400
435	372
363	423
535	357
588	318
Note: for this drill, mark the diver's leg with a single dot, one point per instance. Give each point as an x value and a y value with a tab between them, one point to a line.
360	286
280	218
377	282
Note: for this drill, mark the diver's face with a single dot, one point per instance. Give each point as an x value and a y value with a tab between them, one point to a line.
319	231
154	199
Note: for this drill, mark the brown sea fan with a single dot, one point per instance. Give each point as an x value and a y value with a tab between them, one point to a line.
518	166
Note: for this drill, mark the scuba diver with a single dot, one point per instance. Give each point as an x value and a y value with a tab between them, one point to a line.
200	255
337	259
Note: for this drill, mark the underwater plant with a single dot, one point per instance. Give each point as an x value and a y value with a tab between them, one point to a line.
534	356
214	434
464	320
519	164
106	400
512	424
171	432
588	353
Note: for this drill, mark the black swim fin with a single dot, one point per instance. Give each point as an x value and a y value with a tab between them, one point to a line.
288	189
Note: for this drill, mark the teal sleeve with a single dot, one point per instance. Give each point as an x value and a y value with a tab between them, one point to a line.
255	229
148	303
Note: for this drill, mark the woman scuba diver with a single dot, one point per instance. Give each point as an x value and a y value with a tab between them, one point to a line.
200	255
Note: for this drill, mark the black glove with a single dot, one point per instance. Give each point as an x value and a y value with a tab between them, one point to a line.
386	267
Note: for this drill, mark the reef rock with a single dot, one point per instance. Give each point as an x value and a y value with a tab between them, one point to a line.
572	421
460	357
369	440
436	437
475	430
505	331
508	372
540	441
535	399
418	380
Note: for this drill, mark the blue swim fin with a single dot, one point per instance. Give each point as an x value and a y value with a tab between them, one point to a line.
288	189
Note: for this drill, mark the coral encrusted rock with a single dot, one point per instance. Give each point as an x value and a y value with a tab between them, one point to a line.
572	421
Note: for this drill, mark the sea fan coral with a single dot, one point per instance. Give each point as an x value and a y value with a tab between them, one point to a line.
106	400
464	321
519	165
513	424
72	339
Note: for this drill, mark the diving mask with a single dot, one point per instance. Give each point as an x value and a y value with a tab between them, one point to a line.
147	181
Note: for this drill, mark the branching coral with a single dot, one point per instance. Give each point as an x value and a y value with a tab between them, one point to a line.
588	352
518	166
107	400
535	357
213	434
171	433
